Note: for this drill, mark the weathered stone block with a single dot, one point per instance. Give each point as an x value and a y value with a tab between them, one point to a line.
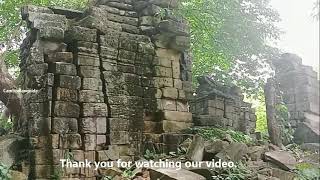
88	125
119	123
126	68
163	71
165	3
107	66
130	29
148	20
171	93
152	127
101	125
174	27
87	47
89	96
39	96
70	141
39	109
177	83
63	68
70	82
167	104
90	155
176	69
49	47
39	126
174	126
25	10
126	56
89	142
66	109
64	125
121	5
123	19
168	54
217	103
109	52
37	82
180	43
37	69
66	57
94	109
111	154
146	48
77	33
162	82
91	84
119	137
177	116
182	106
128	44
42	171
108	41
101	142
51	33
35	56
63	94
41	156
78	155
84	59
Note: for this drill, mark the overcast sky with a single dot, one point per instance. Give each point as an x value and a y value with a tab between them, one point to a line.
301	30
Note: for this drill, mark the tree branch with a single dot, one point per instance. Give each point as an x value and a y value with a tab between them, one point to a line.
10	100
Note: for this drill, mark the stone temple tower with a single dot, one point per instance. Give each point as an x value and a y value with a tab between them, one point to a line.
110	81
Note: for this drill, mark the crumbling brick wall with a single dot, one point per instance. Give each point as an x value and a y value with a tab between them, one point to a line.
299	86
217	105
107	80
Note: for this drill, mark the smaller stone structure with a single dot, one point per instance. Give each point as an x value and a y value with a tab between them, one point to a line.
222	106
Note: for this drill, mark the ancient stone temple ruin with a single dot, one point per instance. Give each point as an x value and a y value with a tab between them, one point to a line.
222	106
299	85
107	80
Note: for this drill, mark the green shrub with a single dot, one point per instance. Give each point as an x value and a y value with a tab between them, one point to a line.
307	171
4	172
217	133
5	126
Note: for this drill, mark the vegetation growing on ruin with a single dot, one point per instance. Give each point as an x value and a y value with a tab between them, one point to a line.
5	126
4	172
217	133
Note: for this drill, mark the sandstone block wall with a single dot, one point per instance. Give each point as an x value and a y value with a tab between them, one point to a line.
299	86
216	105
108	81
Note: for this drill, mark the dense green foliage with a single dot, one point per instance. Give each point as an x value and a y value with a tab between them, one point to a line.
261	124
282	116
229	39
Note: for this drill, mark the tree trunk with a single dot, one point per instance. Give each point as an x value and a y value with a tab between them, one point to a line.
10	100
273	125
